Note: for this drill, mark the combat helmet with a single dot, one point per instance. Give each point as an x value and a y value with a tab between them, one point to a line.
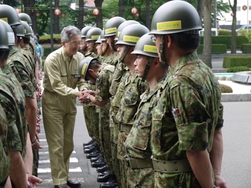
101	37
4	44
20	30
84	30
84	65
175	17
10	33
27	29
25	17
9	14
131	34
123	25
112	25
146	46
93	34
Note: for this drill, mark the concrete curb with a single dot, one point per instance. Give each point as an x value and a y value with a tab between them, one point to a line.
234	97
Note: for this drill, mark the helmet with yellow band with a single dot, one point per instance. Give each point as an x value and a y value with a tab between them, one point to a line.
9	14
112	25
84	65
145	46
175	17
131	34
93	34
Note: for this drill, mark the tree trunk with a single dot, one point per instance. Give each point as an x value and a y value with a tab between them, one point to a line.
233	27
56	18
200	8
121	8
148	13
207	47
81	14
99	17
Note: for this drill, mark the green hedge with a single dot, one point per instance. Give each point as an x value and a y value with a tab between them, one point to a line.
246	48
238	69
236	61
224	32
224	39
216	49
46	39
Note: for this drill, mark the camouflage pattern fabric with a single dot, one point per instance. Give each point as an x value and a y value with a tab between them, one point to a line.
137	142
113	124
13	101
102	94
185	117
22	70
4	155
130	99
30	59
111	59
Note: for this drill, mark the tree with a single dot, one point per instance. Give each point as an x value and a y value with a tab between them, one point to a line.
207	47
99	17
233	38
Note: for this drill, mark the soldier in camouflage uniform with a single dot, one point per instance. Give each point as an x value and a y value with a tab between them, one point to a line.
28	52
129	91
101	98
83	47
109	48
186	137
13	127
11	15
92	36
90	109
87	67
139	172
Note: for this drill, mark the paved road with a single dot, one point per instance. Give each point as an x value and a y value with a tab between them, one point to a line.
236	168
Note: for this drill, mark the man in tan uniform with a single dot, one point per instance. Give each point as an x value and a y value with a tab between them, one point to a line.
59	103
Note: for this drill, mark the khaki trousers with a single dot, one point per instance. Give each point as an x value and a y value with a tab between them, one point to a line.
59	114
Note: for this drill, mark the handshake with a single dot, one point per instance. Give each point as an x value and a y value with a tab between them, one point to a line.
84	96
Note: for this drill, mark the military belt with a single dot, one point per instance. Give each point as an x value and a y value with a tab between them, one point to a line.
135	163
172	166
125	127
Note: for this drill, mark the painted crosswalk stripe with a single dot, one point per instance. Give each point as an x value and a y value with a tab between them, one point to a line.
48	170
72	160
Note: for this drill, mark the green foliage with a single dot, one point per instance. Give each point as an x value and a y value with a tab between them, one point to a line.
238	69
242	32
246	48
216	49
226	89
248	35
224	32
46	39
236	61
224	39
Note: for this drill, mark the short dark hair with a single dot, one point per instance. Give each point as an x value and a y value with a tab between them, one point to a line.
186	40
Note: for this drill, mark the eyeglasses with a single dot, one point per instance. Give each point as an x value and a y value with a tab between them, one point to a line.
75	43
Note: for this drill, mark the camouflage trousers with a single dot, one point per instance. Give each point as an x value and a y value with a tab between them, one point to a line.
142	177
92	122
175	180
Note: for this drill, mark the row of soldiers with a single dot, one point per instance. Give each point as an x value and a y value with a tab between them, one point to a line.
144	134
20	92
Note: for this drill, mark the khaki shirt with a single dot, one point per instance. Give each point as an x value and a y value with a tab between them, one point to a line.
61	73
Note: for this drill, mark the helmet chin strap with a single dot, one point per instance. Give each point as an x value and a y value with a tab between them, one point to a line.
124	53
161	51
148	64
104	52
